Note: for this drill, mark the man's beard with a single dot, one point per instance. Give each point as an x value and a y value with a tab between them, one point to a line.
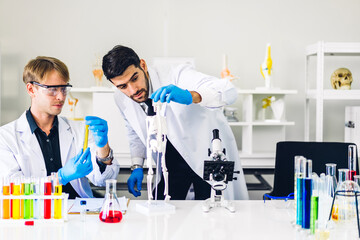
146	96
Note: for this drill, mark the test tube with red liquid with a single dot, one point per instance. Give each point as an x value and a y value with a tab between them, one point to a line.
47	202
352	160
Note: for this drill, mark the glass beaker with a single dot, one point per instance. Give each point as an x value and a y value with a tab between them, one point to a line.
110	211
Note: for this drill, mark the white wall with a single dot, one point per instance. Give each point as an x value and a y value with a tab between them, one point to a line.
74	31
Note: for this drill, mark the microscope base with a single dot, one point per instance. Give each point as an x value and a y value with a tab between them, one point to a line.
155	207
211	203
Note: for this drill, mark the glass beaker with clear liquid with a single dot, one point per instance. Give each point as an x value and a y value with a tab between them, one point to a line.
110	211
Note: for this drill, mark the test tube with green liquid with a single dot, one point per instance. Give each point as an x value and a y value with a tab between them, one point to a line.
27	202
314	202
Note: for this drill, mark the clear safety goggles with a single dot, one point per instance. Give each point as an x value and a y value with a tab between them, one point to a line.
53	90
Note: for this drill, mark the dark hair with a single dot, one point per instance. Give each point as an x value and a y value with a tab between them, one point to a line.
117	60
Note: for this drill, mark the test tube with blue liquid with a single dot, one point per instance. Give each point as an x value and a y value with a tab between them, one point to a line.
299	173
306	194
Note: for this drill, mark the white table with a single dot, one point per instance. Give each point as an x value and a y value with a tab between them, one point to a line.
252	220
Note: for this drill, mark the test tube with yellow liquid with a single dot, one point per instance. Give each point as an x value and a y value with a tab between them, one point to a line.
6	202
22	191
57	202
16	202
86	137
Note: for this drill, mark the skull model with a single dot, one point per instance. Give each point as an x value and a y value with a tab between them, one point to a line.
341	79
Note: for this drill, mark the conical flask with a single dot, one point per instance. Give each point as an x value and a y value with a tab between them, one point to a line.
110	211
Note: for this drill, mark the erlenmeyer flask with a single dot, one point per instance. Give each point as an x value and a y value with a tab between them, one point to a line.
343	176
110	211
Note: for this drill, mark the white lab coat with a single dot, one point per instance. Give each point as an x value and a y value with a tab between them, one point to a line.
21	155
189	126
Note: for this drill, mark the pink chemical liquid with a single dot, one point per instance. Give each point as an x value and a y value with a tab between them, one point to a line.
113	217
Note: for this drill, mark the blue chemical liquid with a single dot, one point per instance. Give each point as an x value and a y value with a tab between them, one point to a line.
306	199
299	184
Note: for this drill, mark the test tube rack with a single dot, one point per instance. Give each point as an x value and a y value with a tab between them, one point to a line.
64	209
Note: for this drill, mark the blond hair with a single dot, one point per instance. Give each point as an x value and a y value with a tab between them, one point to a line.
37	69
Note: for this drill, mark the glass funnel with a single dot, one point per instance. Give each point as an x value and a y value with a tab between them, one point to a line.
110	211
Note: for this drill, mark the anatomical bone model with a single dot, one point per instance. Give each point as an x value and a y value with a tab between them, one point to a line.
156	146
266	67
341	79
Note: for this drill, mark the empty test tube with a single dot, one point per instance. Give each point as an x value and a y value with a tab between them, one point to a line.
83	210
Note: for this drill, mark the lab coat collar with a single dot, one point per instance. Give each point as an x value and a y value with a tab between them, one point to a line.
155	82
66	138
28	138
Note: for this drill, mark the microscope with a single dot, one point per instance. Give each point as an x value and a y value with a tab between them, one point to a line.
218	172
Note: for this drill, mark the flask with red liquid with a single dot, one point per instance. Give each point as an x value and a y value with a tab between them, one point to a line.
110	211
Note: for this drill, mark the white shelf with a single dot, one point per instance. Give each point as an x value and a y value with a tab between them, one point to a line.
257	160
91	90
335	48
273	91
262	123
332	94
263	133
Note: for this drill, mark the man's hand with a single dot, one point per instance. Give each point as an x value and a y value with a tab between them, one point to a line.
136	177
77	167
99	129
172	93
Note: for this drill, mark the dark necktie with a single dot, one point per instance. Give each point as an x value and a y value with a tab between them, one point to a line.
150	109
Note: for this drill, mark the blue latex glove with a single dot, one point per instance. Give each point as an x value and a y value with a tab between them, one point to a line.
172	93
136	177
77	167
99	129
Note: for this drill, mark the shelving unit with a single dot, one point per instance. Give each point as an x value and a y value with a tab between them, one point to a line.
320	94
251	104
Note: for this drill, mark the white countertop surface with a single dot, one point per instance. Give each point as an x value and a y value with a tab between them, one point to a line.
252	220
